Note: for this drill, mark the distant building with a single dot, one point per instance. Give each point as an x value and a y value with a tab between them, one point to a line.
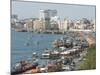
60	25
14	19
47	14
49	18
54	23
94	25
29	25
71	25
66	25
77	25
84	24
19	25
39	25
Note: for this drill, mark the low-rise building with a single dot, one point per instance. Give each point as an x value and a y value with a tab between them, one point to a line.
39	25
29	25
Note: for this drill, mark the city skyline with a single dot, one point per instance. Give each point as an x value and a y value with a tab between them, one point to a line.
25	9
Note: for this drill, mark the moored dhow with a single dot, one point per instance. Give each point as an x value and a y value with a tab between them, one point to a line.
23	66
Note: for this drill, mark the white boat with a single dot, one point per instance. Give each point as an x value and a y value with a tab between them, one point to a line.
50	54
34	54
46	53
65	53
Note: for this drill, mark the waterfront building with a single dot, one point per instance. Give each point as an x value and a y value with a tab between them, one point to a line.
39	25
14	19
66	25
49	19
85	23
60	25
71	25
29	25
80	25
94	25
77	24
54	23
19	25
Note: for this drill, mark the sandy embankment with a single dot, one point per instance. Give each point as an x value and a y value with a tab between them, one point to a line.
91	40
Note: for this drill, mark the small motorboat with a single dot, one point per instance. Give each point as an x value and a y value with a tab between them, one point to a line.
34	54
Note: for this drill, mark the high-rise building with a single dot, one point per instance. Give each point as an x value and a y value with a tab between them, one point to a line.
66	25
49	17
60	25
47	14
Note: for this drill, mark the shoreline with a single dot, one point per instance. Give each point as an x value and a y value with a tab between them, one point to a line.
76	60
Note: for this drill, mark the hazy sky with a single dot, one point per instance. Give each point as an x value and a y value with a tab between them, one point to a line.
31	10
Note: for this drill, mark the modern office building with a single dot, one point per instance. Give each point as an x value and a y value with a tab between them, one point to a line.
49	17
47	14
